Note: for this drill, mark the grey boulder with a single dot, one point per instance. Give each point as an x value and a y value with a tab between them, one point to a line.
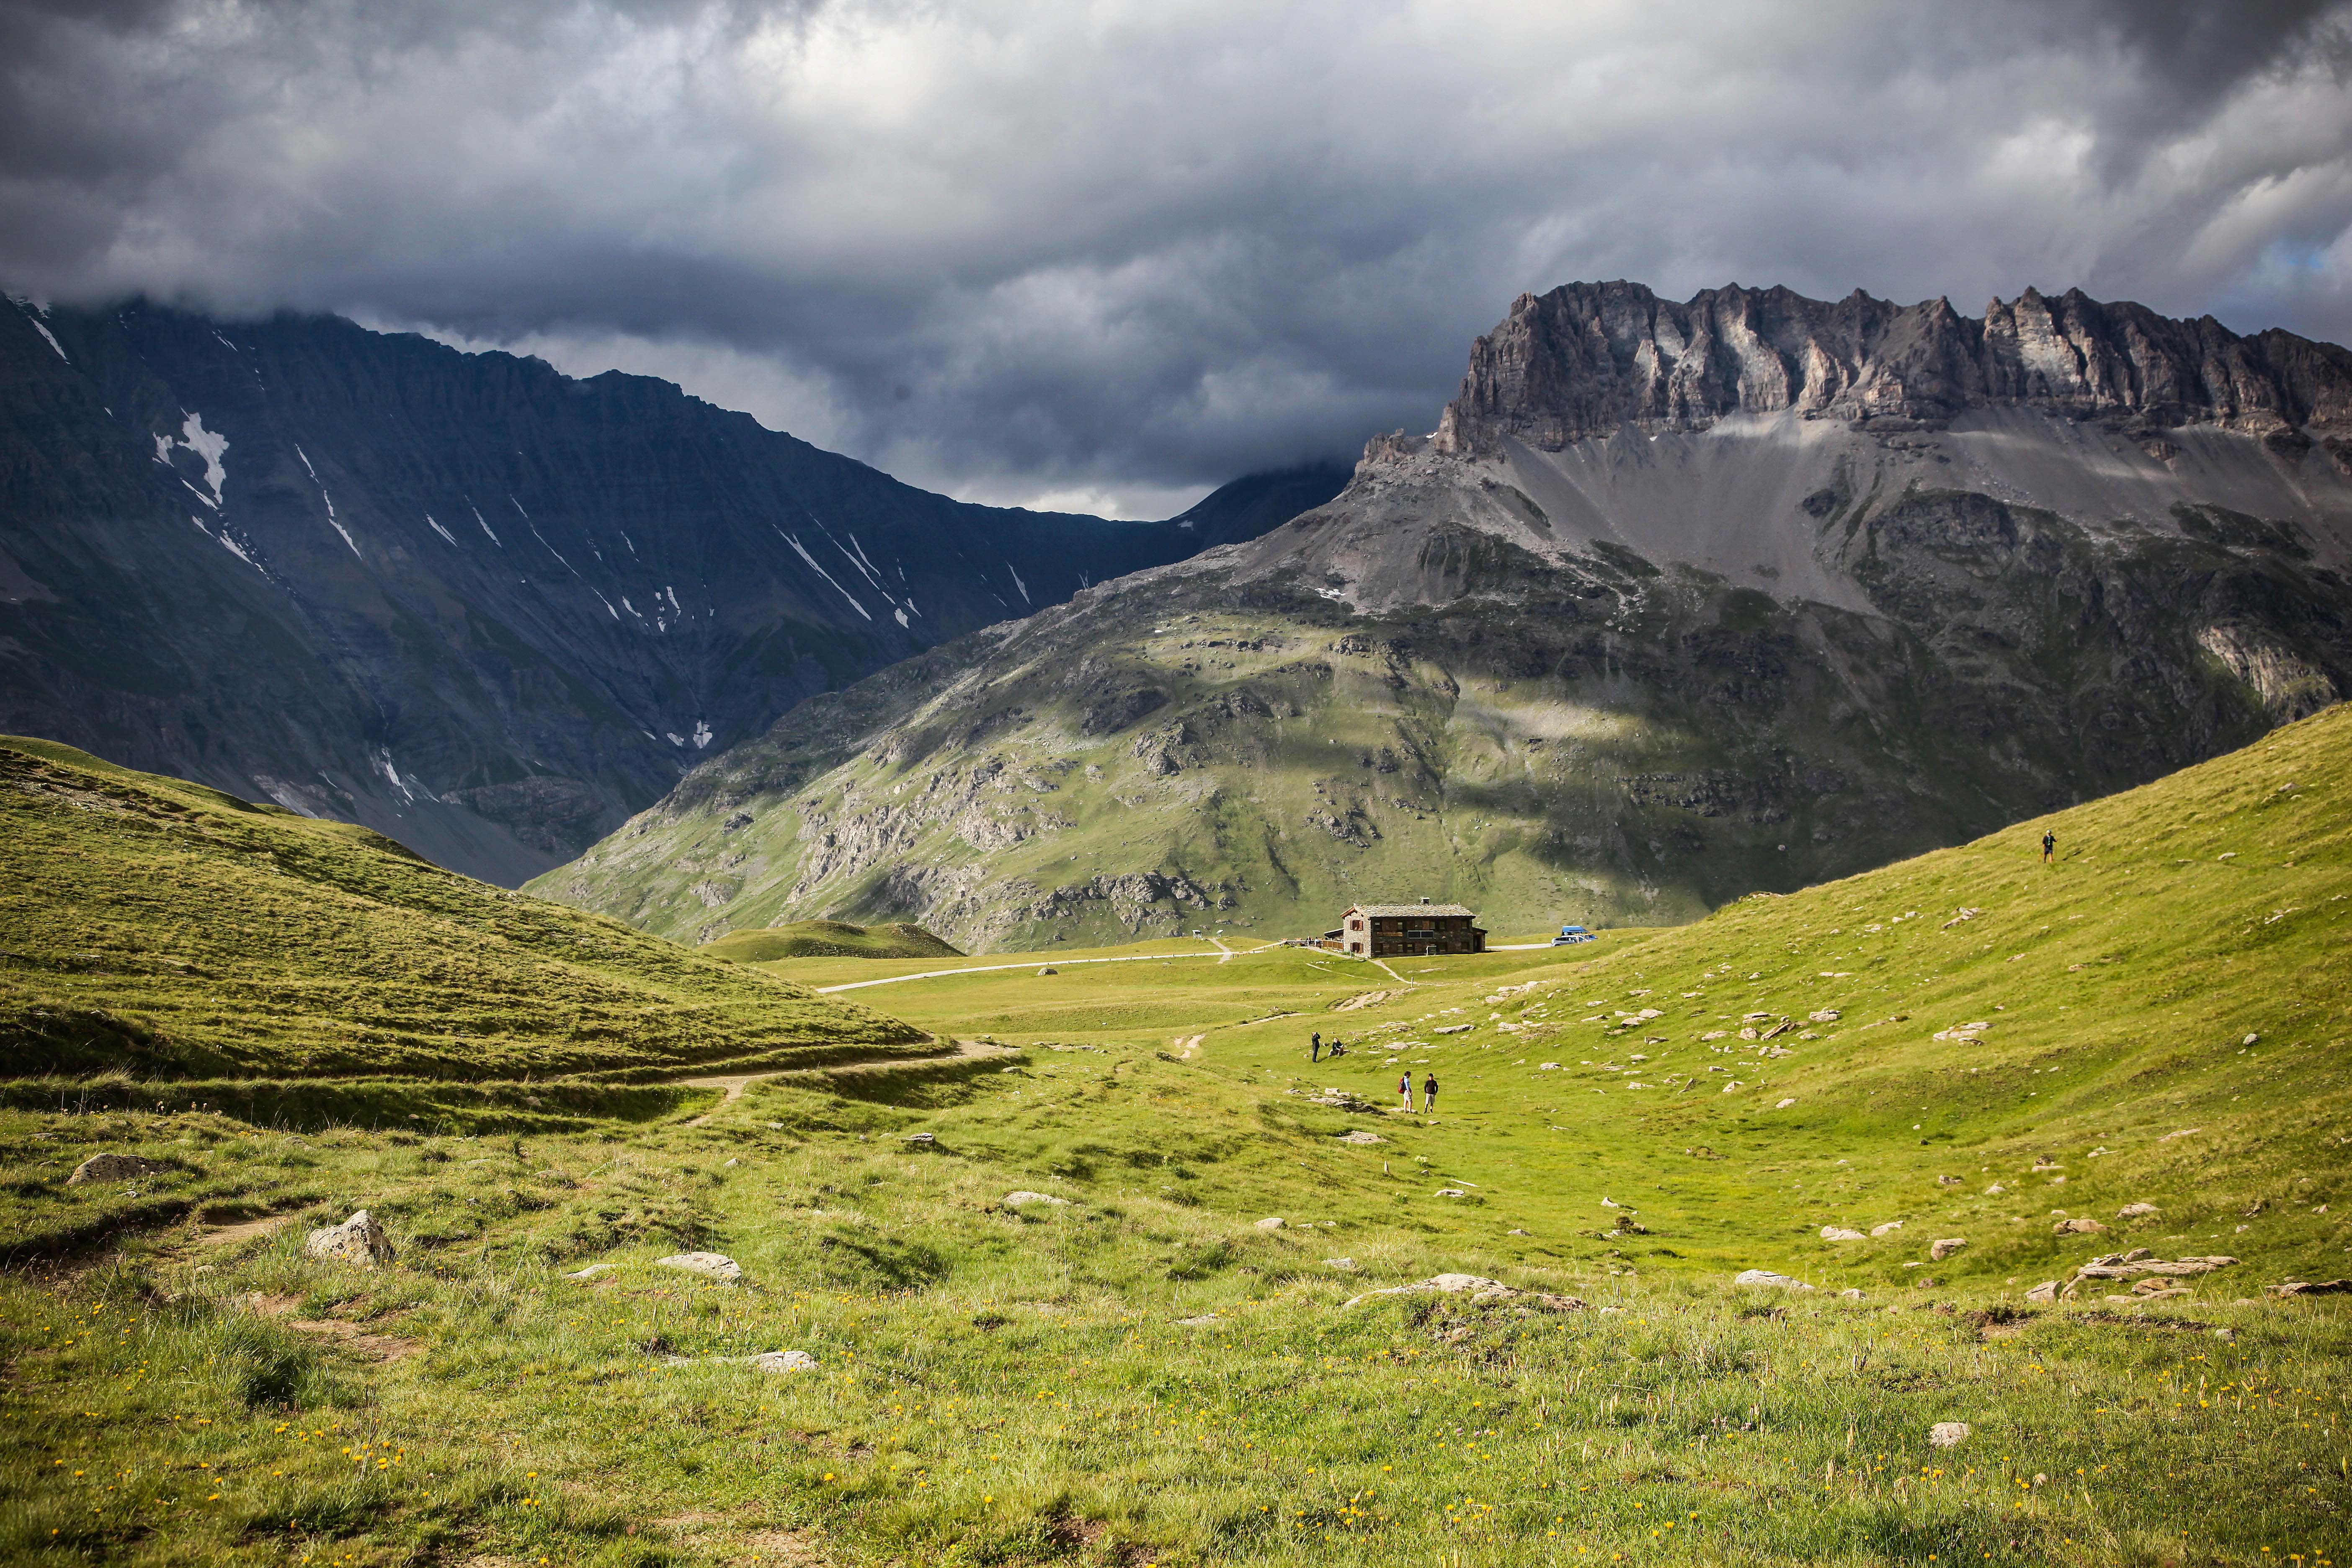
358	1240
112	1168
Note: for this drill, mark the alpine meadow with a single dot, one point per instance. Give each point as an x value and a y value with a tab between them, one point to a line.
1090	785
1034	1324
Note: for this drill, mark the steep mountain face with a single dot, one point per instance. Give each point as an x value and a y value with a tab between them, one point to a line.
1589	359
1679	602
483	608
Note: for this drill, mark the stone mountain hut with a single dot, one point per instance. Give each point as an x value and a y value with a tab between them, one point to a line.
1407	930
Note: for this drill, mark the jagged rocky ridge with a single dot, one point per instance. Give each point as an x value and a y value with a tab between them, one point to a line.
1678	601
483	608
1589	359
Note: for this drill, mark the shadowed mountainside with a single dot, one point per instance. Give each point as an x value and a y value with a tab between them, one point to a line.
480	606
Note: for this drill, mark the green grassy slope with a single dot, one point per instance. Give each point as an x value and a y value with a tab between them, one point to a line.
829	939
1146	1374
160	928
2115	989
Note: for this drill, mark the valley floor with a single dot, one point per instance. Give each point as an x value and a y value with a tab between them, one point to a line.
1132	1364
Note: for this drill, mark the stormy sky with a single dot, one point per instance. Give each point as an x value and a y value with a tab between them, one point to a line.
1105	254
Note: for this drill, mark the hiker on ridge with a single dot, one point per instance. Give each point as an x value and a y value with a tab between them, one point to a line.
2049	847
1404	1087
1428	1094
1315	1046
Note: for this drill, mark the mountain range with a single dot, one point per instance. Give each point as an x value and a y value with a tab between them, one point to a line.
1679	601
480	606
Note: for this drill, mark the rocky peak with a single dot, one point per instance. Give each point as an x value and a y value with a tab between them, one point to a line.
1589	359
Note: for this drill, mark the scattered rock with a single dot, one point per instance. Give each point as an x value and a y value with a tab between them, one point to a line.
1948	1181
1849	1294
1358	1135
2323	1287
731	1159
1345	1265
1481	1289
1455	1029
1940	1250
1272	1222
2229	1334
2251	1040
1518	1233
1202	1321
2133	1211
1451	1192
1014	1200
1995	1190
1048	970
710	1265
2139	1262
1946	1433
2045	1291
1766	1278
2076	1226
2184	1132
1363	999
112	1168
784	1360
358	1239
1826	1016
1838	1233
1784	1105
592	1270
1889	1228
922	1140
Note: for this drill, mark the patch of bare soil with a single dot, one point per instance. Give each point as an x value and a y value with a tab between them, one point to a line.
352	1336
243	1230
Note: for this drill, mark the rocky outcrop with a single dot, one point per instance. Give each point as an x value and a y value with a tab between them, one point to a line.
1589	359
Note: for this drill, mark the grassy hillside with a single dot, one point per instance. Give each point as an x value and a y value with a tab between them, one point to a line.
829	939
164	929
1146	1373
1422	689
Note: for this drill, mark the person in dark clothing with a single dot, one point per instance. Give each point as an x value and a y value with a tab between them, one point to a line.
1428	1091
2049	847
1315	1046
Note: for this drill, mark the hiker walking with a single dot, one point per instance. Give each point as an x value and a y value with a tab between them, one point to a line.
1315	1046
1404	1087
1428	1093
2049	847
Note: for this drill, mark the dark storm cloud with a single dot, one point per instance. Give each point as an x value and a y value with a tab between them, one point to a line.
1121	248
